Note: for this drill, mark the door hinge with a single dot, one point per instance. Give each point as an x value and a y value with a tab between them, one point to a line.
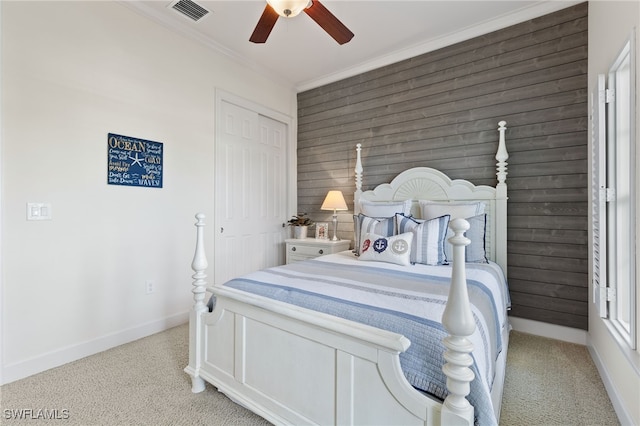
610	194
609	96
611	294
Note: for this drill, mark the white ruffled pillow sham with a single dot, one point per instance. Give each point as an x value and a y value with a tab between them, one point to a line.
455	209
384	208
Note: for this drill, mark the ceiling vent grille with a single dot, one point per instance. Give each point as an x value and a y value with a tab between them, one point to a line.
190	9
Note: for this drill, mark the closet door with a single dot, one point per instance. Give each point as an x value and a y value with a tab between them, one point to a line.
251	195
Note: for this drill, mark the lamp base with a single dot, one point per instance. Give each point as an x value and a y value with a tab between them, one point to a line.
335	226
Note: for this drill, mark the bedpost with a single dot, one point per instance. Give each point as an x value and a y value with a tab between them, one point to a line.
358	192
501	199
459	323
199	266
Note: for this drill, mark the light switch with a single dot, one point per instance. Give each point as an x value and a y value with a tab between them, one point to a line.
38	211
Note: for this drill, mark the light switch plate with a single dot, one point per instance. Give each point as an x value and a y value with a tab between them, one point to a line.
38	211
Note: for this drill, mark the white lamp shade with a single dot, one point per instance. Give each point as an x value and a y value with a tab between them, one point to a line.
288	8
334	201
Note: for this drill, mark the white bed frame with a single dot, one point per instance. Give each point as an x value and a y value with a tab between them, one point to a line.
291	365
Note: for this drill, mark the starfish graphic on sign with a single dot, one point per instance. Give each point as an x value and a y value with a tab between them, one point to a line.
136	160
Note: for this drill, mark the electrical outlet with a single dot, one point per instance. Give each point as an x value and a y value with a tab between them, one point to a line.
149	287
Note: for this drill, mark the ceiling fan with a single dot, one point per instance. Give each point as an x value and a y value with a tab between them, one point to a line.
291	8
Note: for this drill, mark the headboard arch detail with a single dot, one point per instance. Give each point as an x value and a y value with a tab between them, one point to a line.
425	183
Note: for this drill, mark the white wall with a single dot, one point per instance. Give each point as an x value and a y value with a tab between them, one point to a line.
610	24
71	73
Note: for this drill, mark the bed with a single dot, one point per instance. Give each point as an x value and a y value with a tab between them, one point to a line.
409	329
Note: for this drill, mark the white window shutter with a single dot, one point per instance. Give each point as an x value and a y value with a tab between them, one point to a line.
599	197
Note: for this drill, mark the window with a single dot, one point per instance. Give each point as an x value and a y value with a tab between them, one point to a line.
614	192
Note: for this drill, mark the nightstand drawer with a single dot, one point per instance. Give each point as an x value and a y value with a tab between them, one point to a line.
308	248
304	250
296	258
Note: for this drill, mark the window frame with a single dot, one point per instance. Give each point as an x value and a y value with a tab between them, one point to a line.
614	139
613	197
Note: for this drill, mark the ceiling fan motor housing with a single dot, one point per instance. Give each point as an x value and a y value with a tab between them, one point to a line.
289	8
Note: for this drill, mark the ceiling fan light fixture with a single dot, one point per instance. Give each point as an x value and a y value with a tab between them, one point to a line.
289	8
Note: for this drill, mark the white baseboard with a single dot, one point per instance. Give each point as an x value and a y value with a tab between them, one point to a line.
38	364
552	331
620	409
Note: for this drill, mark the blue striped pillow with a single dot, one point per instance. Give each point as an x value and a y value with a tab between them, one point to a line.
384	226
428	238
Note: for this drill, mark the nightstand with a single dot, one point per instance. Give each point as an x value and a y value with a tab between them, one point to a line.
308	248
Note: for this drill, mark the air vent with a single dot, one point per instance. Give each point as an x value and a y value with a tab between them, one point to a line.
190	9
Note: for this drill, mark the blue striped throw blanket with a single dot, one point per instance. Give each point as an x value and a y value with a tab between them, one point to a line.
407	300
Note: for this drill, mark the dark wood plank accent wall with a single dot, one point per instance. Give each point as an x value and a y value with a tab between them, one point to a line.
441	110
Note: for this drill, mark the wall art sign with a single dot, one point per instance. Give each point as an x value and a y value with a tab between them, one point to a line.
134	162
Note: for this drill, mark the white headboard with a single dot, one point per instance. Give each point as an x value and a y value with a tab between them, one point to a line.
424	183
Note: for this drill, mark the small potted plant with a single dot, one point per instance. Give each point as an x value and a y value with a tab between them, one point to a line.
300	223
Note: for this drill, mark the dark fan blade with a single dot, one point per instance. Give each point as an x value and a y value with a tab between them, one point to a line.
329	22
265	25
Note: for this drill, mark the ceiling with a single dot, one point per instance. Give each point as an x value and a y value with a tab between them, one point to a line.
299	54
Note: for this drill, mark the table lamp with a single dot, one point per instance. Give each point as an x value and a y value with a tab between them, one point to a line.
334	201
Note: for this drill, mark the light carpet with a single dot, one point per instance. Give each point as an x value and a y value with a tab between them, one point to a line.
143	383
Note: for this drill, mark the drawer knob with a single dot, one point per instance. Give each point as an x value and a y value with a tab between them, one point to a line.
320	251
293	249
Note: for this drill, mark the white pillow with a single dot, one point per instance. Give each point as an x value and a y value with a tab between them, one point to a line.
395	249
384	208
433	209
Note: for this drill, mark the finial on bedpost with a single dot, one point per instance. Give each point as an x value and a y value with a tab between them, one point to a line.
199	265
458	321
356	194
502	155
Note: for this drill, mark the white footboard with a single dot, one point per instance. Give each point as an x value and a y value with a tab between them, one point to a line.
291	365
